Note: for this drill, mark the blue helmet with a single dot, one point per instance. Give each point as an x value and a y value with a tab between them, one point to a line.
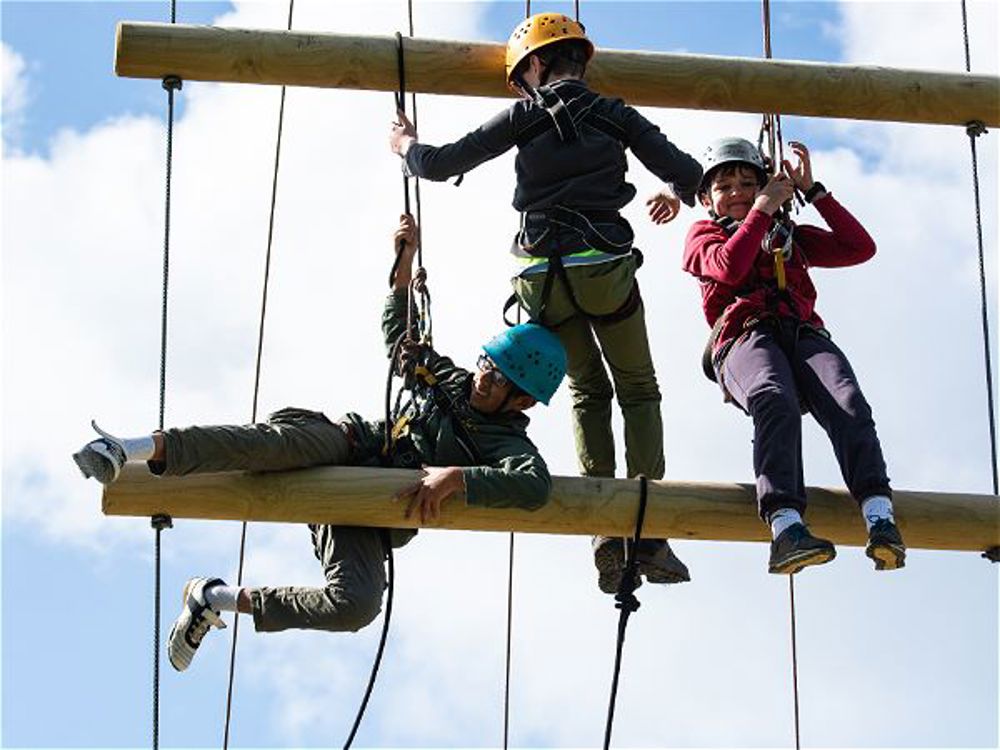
532	357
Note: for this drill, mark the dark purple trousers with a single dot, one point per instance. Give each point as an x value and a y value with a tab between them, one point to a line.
771	383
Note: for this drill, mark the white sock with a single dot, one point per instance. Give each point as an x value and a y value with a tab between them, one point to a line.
139	449
876	508
222	597
781	519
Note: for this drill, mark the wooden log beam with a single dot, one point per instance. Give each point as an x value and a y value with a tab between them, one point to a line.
295	58
353	496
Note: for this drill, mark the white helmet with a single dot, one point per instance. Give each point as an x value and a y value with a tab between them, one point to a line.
731	151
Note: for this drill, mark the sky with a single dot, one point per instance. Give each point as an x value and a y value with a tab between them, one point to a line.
907	659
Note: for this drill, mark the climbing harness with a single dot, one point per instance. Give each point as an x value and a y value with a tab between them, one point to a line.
559	232
626	603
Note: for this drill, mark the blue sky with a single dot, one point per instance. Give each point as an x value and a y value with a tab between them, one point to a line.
706	664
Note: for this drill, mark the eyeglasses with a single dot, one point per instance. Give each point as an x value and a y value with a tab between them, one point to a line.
489	367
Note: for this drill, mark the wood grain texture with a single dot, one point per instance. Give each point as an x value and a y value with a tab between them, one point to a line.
295	58
355	496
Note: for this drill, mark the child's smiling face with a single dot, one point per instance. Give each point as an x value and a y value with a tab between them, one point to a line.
732	191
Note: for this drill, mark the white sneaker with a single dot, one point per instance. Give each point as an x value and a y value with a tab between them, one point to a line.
103	458
193	623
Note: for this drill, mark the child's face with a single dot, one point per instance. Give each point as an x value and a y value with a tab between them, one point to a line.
732	192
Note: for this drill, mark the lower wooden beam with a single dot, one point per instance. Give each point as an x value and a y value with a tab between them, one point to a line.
354	496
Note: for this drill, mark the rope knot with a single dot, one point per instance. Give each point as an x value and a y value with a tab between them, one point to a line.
625	600
975	128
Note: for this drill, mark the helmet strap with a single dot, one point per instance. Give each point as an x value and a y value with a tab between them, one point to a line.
527	88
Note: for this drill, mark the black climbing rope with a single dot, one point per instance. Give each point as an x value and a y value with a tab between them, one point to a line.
795	658
974	130
161	522
256	384
771	130
626	603
510	623
381	643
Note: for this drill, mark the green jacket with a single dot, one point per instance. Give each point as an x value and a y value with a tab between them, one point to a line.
502	467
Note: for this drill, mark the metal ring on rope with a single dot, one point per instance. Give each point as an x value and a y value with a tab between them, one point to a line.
626	603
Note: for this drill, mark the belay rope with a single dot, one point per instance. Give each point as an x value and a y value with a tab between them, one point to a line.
423	327
626	603
160	522
974	130
771	129
256	384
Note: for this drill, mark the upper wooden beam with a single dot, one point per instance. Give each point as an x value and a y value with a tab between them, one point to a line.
352	496
295	58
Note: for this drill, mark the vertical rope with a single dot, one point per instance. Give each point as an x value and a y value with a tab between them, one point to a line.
387	542
795	659
772	127
626	603
256	383
160	522
974	130
510	621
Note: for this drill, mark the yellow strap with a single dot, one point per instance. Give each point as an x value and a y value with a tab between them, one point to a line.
400	428
779	268
424	374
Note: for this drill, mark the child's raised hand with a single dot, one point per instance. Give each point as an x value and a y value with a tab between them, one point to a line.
402	134
778	191
663	206
801	173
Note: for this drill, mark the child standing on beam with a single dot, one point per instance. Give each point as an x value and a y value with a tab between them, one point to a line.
575	264
770	351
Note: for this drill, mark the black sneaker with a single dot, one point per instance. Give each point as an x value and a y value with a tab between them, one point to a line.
101	459
795	548
885	546
609	559
659	563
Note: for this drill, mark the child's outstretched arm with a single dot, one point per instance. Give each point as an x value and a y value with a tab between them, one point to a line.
678	169
488	141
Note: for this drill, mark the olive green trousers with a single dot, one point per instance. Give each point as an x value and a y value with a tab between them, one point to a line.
601	289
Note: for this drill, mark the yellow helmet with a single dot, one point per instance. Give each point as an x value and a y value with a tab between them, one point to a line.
540	30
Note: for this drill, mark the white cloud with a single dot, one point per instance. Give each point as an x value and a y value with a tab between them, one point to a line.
82	237
13	76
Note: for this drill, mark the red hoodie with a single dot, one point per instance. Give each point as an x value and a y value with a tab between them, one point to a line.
737	277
